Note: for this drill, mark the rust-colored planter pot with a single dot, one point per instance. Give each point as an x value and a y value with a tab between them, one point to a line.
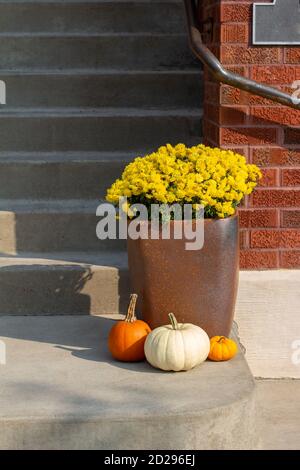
199	287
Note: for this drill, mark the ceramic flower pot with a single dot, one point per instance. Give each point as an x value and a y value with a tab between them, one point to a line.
199	287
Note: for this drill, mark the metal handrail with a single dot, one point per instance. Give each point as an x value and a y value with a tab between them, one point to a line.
225	76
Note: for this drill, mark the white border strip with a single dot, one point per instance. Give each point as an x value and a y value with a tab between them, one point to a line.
265	43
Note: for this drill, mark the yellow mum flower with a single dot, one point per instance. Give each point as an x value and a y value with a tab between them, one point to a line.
216	178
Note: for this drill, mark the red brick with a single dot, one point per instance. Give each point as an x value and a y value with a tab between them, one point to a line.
214	48
292	136
239	69
235	13
274	115
290	177
211	11
249	55
209	3
290	259
241	150
209	142
269	178
289	239
212	93
244	239
241	2
264	239
275	74
258	259
255	100
234	33
230	115
292	55
230	95
212	113
290	218
248	135
211	132
275	156
208	76
275	239
275	198
244	202
257	218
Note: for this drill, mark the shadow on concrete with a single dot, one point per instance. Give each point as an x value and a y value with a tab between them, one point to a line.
84	337
103	356
25	290
65	284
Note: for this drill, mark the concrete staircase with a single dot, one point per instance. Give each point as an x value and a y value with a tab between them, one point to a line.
89	86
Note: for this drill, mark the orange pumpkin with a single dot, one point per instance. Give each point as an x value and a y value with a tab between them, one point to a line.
127	337
222	348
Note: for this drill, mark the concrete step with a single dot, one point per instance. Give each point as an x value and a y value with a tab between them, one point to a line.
60	175
93	89
91	16
140	51
43	405
100	129
46	226
64	283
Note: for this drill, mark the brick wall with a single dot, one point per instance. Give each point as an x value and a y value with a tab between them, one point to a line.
266	133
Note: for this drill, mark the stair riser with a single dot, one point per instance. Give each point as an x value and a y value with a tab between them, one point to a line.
180	90
81	180
130	52
58	290
91	17
41	232
95	133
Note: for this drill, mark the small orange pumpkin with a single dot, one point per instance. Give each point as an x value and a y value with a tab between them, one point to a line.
222	348
127	337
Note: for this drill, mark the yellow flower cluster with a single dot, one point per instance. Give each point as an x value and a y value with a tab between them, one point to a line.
217	179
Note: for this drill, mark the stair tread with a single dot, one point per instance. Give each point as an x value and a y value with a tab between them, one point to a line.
44	335
100	71
44	404
100	112
49	206
86	34
119	70
67	157
69	2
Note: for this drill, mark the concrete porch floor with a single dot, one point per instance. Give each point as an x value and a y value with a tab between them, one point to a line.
278	411
60	389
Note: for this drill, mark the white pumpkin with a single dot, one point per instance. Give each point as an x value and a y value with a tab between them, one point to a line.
179	346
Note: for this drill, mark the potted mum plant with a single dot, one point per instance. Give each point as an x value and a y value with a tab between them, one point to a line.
199	286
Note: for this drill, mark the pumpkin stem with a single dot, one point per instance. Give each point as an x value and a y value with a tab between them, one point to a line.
173	321
130	317
220	340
